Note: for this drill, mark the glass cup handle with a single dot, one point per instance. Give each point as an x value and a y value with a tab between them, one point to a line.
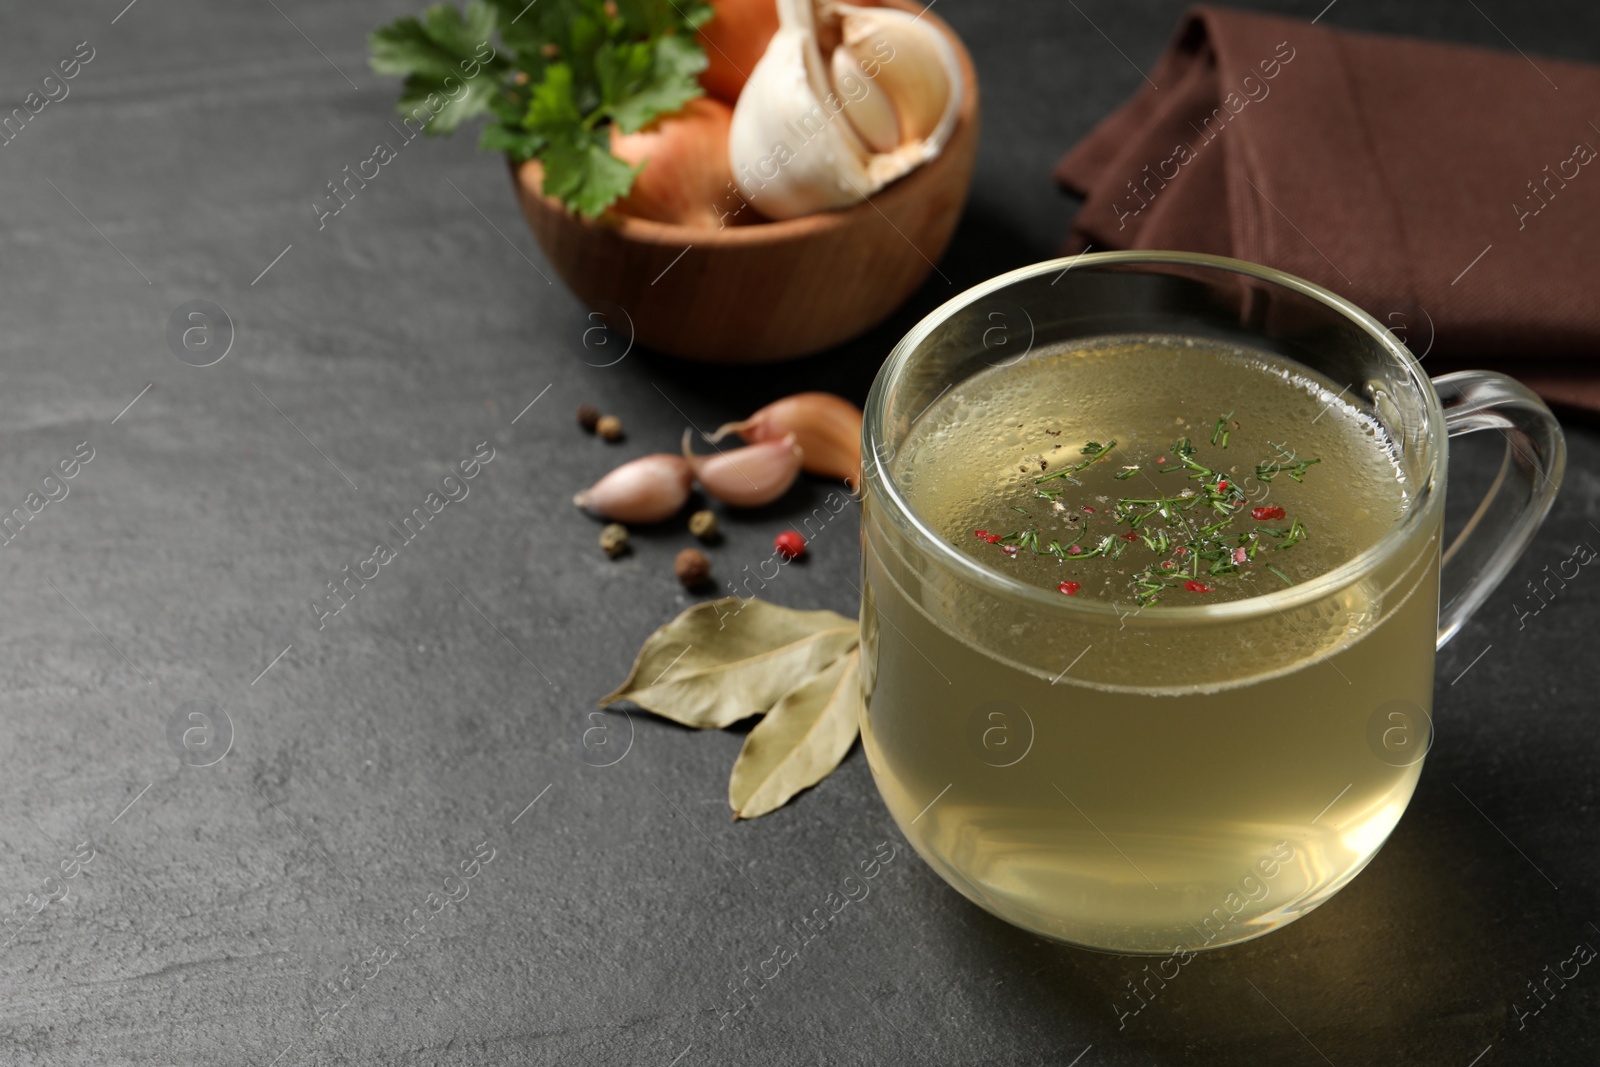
1498	532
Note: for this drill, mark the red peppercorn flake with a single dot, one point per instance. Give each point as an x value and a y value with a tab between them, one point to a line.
1182	551
1161	459
1087	508
1010	550
1198	587
790	544
1069	588
1263	514
1240	554
1166	565
1074	550
1222	487
985	535
1130	537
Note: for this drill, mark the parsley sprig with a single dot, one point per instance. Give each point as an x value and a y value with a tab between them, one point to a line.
552	76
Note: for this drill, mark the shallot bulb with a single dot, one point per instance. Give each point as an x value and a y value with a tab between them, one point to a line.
826	427
685	175
747	477
734	40
647	489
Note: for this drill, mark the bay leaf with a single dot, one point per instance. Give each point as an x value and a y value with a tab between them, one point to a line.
728	659
801	740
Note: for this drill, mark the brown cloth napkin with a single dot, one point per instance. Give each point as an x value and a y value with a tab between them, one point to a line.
1452	192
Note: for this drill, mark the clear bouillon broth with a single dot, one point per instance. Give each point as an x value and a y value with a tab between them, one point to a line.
1105	769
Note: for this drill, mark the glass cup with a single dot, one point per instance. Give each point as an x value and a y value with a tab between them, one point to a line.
1175	778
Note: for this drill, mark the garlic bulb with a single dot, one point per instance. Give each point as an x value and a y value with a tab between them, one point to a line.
845	100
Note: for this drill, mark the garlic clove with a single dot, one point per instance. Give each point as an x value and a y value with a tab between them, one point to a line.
647	489
826	427
913	65
870	110
747	477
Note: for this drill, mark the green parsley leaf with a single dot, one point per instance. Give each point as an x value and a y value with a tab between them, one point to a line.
584	175
514	141
551	109
434	44
451	66
664	83
554	76
658	17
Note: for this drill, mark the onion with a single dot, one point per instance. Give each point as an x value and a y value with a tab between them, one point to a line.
686	177
734	40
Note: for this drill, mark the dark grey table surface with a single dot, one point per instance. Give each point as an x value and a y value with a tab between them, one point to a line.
441	715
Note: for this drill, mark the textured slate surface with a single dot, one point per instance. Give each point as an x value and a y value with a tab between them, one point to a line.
376	756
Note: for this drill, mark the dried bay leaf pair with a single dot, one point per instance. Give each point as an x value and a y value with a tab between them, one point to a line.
726	660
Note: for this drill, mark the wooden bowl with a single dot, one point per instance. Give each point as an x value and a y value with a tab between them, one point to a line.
770	290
